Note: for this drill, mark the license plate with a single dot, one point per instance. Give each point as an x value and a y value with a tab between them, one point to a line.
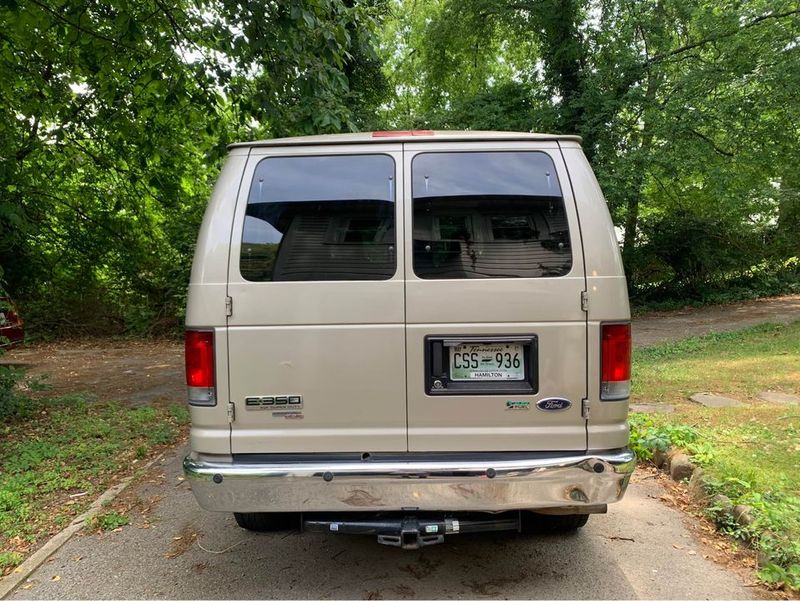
487	362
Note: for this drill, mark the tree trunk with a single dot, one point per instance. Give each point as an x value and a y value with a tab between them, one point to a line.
635	193
789	216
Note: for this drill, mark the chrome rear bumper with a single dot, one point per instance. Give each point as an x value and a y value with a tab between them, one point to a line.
468	482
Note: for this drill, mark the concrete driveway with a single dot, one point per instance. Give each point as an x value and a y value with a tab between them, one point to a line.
214	559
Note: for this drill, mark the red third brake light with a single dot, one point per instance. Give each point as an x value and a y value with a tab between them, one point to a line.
615	358
402	133
199	350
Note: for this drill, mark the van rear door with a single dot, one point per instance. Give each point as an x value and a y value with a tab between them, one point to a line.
495	330
316	332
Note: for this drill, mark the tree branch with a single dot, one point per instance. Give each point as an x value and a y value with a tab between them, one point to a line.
720	36
711	143
94	34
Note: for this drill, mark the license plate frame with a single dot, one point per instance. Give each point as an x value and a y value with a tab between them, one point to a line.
487	362
438	380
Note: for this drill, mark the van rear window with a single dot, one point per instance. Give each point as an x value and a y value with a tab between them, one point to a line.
488	214
320	218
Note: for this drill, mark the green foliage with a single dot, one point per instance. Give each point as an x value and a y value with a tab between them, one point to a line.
9	559
114	119
778	577
13	401
161	434
115	116
715	279
647	437
180	414
72	445
774	530
688	111
108	521
687	245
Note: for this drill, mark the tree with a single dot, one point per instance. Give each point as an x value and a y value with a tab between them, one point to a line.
114	119
682	106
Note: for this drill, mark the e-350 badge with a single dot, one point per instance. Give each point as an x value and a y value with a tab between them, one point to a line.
272	403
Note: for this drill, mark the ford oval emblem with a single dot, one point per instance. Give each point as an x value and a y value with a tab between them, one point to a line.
553	404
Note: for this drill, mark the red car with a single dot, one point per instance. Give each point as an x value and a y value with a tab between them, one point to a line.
12	329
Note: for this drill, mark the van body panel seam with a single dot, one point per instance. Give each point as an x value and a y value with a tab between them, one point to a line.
584	296
403	208
228	296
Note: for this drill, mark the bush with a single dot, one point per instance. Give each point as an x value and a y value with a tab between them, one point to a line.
13	401
646	437
690	250
764	279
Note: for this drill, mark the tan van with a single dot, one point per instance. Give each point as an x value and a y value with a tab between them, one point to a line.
408	334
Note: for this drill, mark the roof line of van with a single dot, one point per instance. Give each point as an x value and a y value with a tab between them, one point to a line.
384	137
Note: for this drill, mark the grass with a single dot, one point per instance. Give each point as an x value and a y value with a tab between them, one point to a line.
749	453
739	364
64	454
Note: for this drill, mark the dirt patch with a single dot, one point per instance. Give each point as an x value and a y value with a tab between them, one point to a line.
139	372
182	542
422	568
493	587
199	568
663	326
402	591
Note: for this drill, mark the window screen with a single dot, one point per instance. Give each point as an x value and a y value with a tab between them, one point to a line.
320	218
488	214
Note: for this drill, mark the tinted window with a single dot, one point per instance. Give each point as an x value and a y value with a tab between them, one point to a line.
320	218
488	214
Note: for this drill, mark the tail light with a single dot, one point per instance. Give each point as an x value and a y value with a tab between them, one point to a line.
615	360
199	350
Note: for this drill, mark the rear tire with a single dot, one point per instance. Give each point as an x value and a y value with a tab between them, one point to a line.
540	523
267	522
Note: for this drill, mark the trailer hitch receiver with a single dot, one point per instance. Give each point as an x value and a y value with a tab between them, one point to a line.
413	535
410	530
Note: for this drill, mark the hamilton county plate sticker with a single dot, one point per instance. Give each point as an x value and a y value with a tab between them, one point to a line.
518	405
554	404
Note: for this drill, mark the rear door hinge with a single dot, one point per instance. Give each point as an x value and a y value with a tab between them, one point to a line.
585	408
231	413
228	306
584	300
